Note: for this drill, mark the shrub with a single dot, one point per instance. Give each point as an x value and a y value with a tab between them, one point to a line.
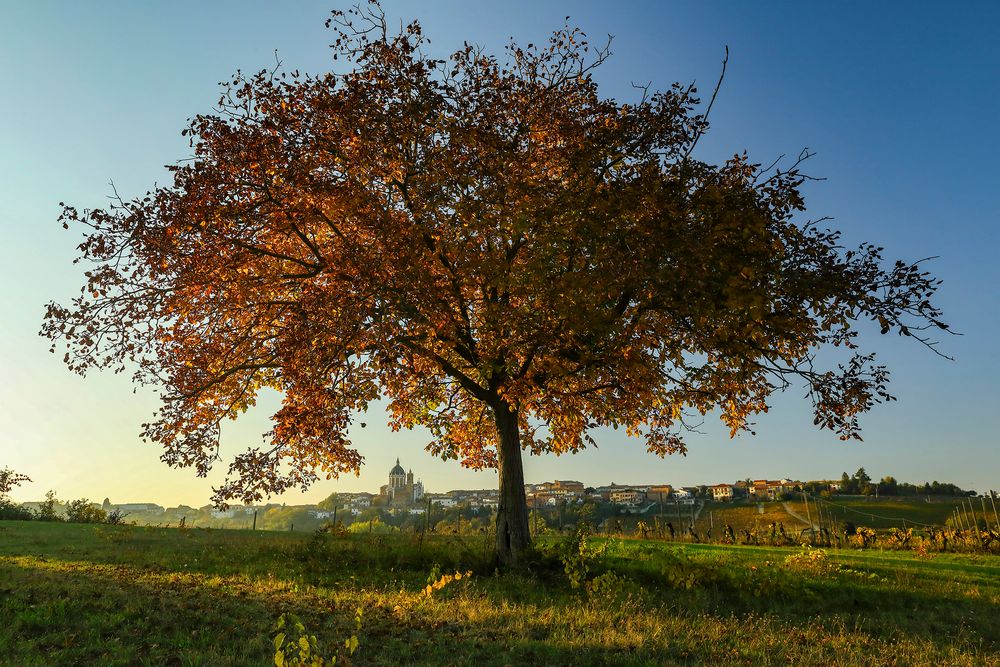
577	554
117	518
11	512
863	537
814	561
82	511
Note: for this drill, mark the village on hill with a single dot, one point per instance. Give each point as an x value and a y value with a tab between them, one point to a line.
403	503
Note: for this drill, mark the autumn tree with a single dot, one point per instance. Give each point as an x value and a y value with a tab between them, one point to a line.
510	259
9	480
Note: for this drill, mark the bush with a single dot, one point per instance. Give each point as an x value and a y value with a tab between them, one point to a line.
117	518
82	511
813	561
11	512
578	556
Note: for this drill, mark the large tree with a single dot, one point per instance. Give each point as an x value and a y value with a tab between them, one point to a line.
507	257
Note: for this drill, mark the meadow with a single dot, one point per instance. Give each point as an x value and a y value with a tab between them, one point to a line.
117	595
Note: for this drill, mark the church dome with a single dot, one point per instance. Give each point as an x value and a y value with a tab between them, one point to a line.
397	469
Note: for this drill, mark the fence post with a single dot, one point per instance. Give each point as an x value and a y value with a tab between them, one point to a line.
255	520
993	502
805	499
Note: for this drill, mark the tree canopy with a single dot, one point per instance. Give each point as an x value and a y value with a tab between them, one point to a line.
509	258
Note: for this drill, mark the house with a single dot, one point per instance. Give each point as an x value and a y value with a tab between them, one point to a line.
443	501
778	488
138	507
659	491
361	501
722	492
627	496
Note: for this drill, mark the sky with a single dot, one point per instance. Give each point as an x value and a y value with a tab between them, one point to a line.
899	101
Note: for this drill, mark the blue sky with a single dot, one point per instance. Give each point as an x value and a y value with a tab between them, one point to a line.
899	101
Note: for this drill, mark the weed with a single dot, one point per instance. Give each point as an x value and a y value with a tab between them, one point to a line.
813	561
578	555
295	647
443	580
611	588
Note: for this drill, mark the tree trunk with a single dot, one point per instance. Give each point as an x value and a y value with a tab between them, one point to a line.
512	511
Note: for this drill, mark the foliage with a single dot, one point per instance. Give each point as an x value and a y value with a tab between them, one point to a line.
336	529
863	537
579	554
375	525
294	647
508	257
610	588
437	581
116	517
82	511
812	560
860	484
10	480
47	510
8	509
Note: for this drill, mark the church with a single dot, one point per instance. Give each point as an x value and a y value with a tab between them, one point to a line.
401	491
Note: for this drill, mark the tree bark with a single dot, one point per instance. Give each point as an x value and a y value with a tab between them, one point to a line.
512	533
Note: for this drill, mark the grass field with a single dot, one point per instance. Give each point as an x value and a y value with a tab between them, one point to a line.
893	512
745	516
116	595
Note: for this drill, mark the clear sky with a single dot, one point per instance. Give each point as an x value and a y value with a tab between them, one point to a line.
900	101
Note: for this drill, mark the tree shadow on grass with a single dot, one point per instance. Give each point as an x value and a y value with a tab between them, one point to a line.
61	612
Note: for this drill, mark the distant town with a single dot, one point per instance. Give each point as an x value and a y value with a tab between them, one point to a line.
403	503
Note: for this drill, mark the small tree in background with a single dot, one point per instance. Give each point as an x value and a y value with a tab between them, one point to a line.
509	258
48	510
9	480
83	511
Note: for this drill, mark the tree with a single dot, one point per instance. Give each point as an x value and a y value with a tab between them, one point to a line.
888	486
10	479
83	511
509	258
330	503
846	484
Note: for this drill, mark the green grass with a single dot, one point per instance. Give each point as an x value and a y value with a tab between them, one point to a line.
81	594
881	513
745	515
